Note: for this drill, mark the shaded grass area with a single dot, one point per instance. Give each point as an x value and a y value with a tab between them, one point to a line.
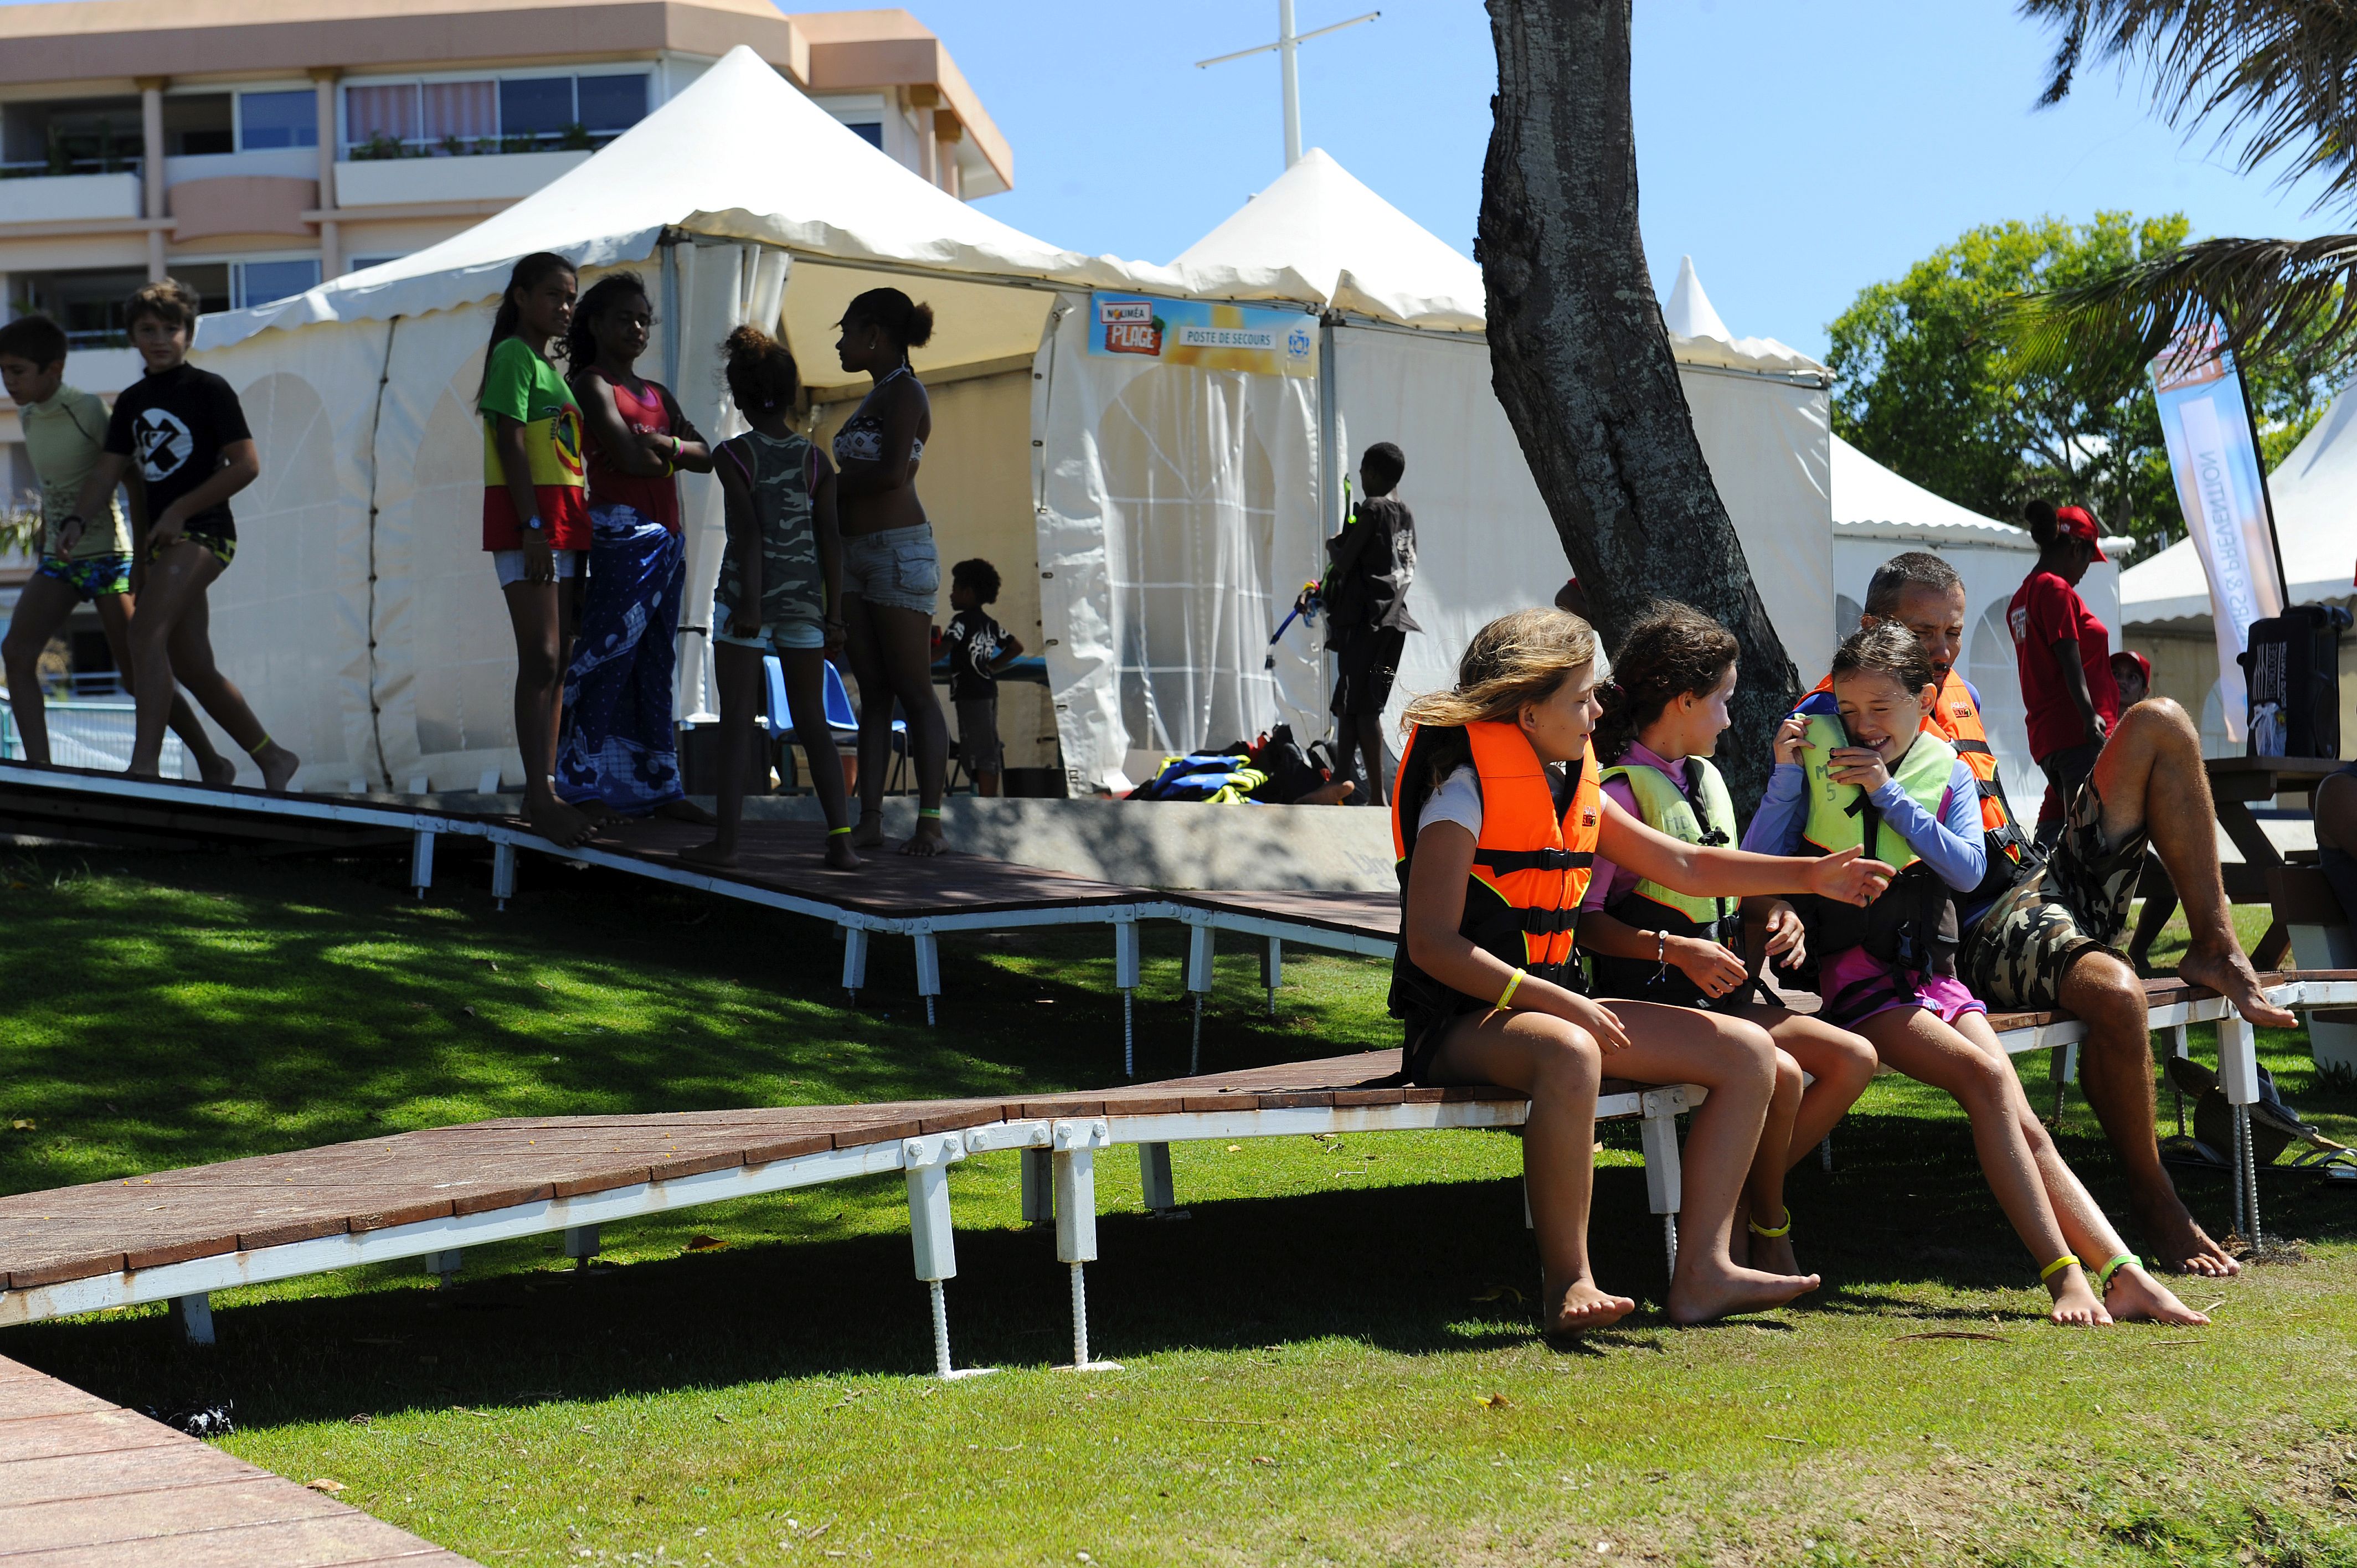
1329	1361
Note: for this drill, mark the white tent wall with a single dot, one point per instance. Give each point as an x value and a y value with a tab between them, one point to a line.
290	617
1485	543
1179	512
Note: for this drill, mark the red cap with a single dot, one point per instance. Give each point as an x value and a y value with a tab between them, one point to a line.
2072	522
2142	663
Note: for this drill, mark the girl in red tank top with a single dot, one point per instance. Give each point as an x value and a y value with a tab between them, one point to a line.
618	751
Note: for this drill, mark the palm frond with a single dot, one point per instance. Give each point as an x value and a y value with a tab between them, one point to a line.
2294	300
2279	77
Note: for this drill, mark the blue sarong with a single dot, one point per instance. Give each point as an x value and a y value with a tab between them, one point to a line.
616	743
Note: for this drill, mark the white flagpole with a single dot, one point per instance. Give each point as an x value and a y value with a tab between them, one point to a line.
1288	48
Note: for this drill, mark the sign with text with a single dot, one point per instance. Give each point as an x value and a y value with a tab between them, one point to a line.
1204	333
2206	422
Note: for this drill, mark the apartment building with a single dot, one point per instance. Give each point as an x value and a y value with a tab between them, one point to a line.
252	147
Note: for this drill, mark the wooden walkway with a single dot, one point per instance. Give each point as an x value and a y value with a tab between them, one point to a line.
85	1483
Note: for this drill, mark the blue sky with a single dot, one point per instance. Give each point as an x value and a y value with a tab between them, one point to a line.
1797	149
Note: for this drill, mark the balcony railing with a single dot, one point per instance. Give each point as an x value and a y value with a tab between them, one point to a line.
50	168
572	138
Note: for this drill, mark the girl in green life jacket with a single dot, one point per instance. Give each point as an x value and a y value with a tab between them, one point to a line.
1664	709
1878	770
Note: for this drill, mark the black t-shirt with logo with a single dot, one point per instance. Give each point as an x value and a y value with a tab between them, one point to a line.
172	425
975	641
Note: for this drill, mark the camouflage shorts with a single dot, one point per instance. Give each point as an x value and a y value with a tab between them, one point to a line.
2075	904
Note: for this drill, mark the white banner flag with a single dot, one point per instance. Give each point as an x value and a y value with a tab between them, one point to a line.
2207	426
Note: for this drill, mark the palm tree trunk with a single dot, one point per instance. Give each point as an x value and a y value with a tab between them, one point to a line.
1582	361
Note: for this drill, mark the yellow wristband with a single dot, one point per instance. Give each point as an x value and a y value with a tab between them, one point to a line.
1506	996
2067	1261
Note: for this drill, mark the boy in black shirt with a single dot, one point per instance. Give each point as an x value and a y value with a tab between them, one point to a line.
1369	566
179	435
979	648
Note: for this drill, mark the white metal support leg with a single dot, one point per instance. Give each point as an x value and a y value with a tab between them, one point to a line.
855	960
1154	1174
503	873
928	970
1199	986
2238	1074
1039	1188
927	1161
1124	979
581	1244
445	1265
1272	971
1664	1182
1076	1144
1825	1153
194	1313
421	860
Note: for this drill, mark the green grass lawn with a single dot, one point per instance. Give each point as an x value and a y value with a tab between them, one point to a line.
1330	1361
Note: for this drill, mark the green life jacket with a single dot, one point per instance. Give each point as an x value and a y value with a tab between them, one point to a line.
1837	812
1705	816
1908	916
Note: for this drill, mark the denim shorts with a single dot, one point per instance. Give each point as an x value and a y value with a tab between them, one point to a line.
899	567
778	637
509	564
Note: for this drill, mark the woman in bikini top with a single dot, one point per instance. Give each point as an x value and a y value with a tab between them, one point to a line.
891	566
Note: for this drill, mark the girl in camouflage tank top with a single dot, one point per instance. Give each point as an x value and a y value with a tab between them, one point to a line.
779	595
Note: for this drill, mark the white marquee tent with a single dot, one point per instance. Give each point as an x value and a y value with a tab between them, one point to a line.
1129	529
361	615
1878	514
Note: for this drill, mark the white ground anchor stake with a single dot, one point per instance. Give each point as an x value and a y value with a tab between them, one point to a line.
927	1160
1076	1144
929	971
1664	1182
1199	986
2238	1074
503	872
1124	979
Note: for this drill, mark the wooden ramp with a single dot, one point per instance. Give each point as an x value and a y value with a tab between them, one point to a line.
85	1483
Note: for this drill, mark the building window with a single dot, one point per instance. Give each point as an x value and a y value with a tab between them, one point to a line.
259	283
868	130
87	304
277	120
490	114
363	263
198	124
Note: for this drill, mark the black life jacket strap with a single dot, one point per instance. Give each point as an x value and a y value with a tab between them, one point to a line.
1970	748
1550	922
1505	862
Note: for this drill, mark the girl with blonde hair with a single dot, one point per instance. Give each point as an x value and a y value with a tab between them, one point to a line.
1497	817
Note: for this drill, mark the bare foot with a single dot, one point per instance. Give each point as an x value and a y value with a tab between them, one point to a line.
278	765
557	823
2135	1297
1774	1255
2183	1247
1332	794
596	812
926	841
2227	971
218	771
1581	1304
2075	1306
687	811
716	853
840	854
1703	1290
869	833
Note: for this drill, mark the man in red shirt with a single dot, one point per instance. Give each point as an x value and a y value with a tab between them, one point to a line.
2065	654
2051	938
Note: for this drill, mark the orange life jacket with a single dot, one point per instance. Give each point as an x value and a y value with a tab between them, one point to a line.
1955	718
1530	863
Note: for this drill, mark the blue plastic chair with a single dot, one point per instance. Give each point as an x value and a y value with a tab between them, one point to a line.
840	717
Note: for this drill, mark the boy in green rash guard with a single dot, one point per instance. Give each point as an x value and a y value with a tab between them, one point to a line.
65	431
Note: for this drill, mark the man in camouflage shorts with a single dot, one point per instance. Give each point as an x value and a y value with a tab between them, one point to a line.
2049	942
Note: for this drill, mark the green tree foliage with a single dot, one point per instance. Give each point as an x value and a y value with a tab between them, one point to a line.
1927	385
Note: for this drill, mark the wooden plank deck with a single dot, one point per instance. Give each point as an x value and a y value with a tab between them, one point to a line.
85	1483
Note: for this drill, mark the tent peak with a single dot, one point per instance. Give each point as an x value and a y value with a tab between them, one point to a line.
1689	313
